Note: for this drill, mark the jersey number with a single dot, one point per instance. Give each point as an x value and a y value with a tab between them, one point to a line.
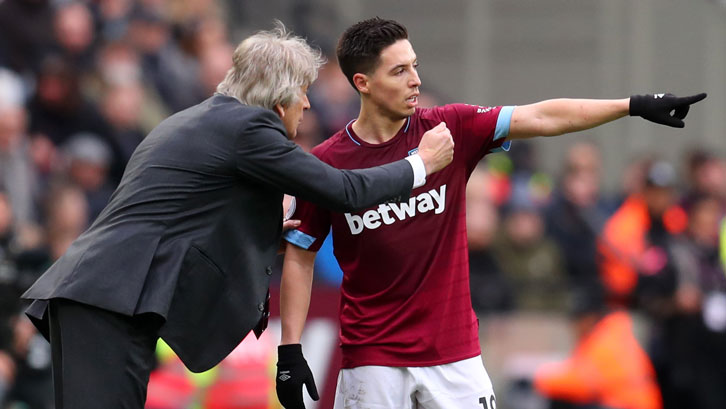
492	402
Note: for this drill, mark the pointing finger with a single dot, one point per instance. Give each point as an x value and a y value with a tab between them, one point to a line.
693	98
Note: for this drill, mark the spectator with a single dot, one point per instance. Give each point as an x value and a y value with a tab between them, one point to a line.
17	175
697	370
121	106
635	240
164	63
490	289
22	44
67	215
24	359
214	62
531	260
576	215
74	34
607	368
332	98
7	299
59	109
89	159
119	64
705	177
113	18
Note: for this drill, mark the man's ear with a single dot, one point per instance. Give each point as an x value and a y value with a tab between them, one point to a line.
279	110
361	83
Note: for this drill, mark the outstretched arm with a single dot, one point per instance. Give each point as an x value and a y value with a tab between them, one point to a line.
559	116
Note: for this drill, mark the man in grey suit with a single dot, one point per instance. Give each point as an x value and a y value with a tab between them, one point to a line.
183	249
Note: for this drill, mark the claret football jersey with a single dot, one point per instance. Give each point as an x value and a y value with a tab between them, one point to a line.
405	297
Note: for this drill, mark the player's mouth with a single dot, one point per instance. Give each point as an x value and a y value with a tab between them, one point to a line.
412	101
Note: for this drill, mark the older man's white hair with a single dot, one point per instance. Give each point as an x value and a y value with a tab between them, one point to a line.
270	67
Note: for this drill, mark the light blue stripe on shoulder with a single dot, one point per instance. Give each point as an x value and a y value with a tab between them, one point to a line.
299	238
503	120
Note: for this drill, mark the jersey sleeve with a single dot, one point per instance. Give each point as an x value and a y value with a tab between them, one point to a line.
314	225
477	130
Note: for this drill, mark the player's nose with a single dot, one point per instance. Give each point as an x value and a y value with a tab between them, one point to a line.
415	80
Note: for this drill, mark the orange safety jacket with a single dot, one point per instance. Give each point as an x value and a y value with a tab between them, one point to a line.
623	241
608	367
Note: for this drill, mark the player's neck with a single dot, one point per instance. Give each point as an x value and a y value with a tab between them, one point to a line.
373	126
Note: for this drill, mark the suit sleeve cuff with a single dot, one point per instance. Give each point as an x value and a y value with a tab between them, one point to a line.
419	170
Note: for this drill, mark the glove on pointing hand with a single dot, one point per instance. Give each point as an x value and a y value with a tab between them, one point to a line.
292	373
658	107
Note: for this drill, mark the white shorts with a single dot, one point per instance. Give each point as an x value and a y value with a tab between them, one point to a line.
462	385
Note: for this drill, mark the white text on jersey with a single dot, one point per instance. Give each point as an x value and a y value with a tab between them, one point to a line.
388	213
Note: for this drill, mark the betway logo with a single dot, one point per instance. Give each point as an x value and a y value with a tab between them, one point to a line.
389	213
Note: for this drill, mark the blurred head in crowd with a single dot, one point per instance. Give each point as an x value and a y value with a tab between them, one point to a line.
118	64
214	62
114	9
523	222
634	175
148	31
659	190
482	217
273	69
113	16
121	105
704	218
73	26
201	33
58	87
88	159
581	178
706	174
66	217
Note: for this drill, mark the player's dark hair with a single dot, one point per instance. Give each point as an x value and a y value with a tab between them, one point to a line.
359	48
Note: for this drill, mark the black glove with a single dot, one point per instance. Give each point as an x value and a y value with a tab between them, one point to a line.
292	373
658	107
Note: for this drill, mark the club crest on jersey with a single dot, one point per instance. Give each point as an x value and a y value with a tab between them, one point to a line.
389	213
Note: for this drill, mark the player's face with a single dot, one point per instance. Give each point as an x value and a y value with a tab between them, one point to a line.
393	86
292	115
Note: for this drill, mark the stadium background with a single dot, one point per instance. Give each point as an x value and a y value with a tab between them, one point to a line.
493	52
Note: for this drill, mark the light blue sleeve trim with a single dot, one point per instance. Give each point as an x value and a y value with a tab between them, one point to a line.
299	238
503	120
502	128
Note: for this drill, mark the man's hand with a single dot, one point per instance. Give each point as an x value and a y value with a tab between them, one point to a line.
292	373
664	109
436	148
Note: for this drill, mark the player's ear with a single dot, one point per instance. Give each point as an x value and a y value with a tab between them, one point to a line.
361	83
279	110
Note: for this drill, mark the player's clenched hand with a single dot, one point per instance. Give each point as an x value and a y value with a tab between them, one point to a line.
292	373
436	148
664	109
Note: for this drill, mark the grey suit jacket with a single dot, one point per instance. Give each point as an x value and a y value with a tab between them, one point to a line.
195	224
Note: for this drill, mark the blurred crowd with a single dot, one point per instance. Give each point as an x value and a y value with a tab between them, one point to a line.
82	83
655	249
